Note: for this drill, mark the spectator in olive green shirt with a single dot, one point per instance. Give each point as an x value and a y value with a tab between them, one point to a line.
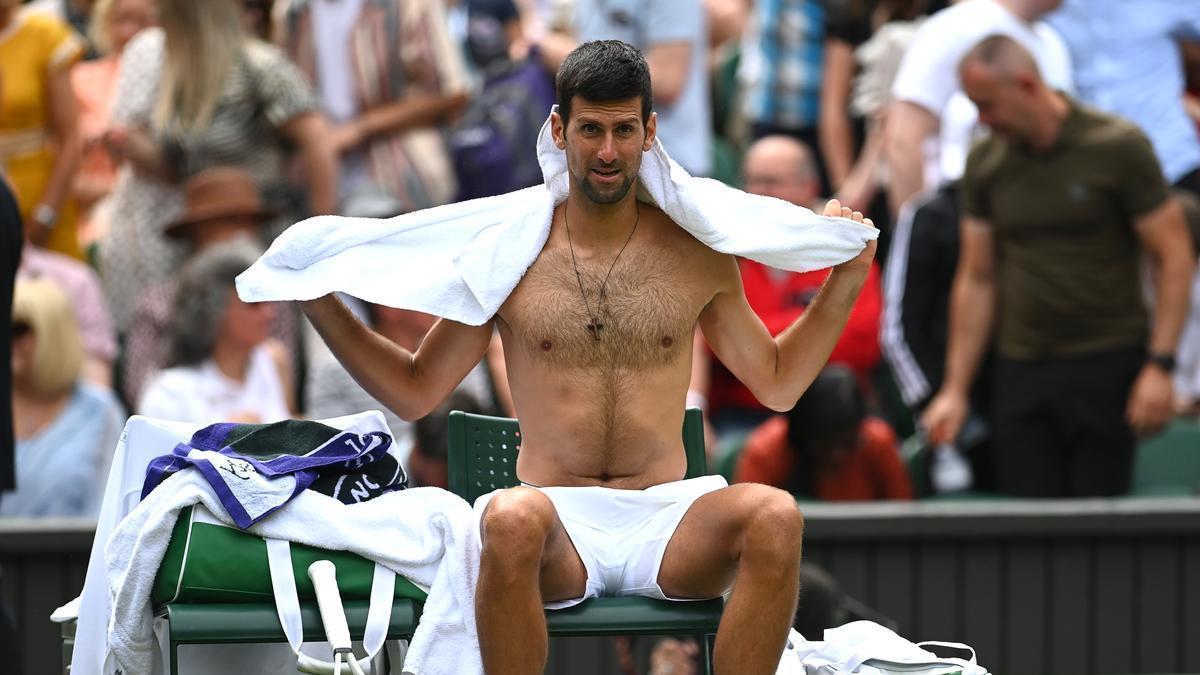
1060	203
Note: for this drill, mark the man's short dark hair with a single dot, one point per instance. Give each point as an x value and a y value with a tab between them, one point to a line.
603	71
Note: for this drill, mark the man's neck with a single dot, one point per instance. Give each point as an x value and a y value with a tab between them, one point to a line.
1021	9
34	411
1048	125
600	225
232	360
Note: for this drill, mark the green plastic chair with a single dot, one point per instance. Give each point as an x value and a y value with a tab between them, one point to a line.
1169	463
729	452
222	617
482	458
255	623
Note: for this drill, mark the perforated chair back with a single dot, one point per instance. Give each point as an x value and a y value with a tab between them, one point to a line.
483	451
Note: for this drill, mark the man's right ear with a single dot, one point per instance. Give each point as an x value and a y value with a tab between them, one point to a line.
558	130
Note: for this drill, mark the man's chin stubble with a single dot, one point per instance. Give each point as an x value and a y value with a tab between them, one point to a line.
598	197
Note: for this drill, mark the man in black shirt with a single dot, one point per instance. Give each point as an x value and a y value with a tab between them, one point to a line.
11	238
10	257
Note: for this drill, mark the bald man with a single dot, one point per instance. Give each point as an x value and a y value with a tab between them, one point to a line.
784	168
1060	203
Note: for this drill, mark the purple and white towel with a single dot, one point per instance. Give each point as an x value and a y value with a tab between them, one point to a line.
256	468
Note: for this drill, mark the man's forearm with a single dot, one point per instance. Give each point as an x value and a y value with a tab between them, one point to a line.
973	306
804	347
906	172
381	367
414	112
1172	299
321	174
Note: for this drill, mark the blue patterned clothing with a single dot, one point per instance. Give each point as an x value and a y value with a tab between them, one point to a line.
1127	61
782	58
61	470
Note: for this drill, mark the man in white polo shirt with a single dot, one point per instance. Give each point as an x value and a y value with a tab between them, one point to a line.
931	122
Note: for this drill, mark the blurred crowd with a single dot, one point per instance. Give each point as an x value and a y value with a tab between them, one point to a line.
152	149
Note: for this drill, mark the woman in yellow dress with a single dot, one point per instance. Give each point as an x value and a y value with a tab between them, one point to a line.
39	134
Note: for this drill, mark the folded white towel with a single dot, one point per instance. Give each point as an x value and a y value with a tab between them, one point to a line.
428	535
461	261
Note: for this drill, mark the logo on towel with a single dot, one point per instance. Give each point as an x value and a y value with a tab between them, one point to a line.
368	447
238	468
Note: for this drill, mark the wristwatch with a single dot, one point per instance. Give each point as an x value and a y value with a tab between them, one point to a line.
1164	361
45	216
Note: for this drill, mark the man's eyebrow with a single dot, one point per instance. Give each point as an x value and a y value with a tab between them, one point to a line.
587	119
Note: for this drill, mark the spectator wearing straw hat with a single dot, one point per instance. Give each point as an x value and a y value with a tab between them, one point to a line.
220	204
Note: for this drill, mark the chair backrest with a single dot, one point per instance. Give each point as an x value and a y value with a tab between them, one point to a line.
483	450
1169	463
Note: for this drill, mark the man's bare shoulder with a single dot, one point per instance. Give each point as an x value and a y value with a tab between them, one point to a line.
671	233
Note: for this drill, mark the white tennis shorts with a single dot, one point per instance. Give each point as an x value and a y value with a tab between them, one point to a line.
621	535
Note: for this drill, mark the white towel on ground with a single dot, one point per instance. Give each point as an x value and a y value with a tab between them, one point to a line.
461	261
428	535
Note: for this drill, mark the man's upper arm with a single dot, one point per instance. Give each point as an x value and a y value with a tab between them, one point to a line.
977	256
734	332
671	28
908	121
928	75
449	351
1162	230
670	63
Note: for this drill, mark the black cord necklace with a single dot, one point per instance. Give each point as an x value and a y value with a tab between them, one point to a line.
594	326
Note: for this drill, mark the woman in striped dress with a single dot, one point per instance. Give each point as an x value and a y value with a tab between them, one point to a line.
196	94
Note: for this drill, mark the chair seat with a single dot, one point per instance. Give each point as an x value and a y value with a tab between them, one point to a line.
205	623
636	616
257	622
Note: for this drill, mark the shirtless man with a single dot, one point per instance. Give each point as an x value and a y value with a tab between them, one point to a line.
597	338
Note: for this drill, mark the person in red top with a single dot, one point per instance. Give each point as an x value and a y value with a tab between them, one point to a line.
827	447
783	167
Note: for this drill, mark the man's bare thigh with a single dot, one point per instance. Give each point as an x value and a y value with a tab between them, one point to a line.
563	575
702	556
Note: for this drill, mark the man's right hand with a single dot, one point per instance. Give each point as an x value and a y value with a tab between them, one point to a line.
944	417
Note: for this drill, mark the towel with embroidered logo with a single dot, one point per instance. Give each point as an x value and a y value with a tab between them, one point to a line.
256	468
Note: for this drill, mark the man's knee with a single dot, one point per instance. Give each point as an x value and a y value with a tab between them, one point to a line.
515	524
776	523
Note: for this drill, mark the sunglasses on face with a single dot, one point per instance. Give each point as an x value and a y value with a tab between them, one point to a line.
20	329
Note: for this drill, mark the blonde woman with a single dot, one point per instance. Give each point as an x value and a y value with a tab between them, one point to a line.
195	94
66	429
113	25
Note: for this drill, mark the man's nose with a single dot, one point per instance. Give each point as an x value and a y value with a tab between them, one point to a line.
608	150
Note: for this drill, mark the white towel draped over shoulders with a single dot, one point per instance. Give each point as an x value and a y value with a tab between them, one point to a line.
461	261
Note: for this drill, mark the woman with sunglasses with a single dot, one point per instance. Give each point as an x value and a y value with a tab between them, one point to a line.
66	429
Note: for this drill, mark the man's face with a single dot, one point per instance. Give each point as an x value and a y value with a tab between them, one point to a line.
217	230
1002	102
1044	7
247	324
128	18
773	171
604	144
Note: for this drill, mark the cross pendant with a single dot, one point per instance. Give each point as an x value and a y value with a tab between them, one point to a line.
594	327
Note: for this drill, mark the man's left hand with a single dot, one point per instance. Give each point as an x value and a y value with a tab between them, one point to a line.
1150	401
862	261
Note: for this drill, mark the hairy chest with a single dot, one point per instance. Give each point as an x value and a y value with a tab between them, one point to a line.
641	317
